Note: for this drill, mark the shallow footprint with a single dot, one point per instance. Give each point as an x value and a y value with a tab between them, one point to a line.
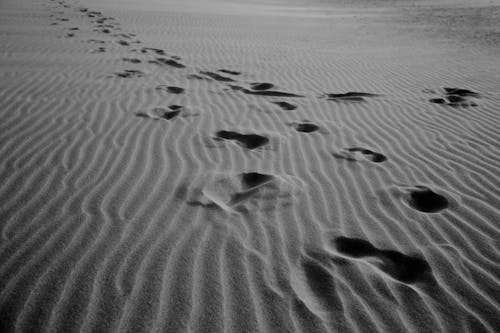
248	141
322	284
353	154
229	190
402	267
161	113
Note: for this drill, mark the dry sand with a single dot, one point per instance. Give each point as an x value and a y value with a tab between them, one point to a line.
249	166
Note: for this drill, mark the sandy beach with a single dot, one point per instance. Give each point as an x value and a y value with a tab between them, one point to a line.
249	166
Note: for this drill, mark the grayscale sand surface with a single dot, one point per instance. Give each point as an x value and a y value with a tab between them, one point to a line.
249	166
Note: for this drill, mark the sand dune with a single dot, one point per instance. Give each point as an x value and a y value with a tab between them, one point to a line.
249	166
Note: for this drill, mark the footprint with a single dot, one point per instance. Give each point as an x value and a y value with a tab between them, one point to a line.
154	50
456	97
425	200
97	41
170	89
438	100
130	73
350	97
264	92
169	62
217	77
251	180
162	113
197	77
322	284
461	92
132	60
248	141
285	106
229	190
404	268
352	154
229	72
261	86
305	127
99	50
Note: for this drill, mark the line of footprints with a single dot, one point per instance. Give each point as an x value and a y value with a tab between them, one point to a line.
407	269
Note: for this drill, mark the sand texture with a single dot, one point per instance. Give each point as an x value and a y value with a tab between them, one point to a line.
249	166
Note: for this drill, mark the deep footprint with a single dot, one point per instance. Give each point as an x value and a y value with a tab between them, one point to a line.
248	141
130	73
168	62
425	200
170	89
285	106
264	92
352	96
217	77
460	92
254	179
306	127
402	267
261	86
154	50
132	60
227	71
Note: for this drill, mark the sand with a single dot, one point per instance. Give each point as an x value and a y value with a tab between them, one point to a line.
249	166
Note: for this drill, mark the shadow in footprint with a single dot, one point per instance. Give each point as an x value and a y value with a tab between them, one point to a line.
197	77
248	141
153	50
264	92
404	268
170	89
261	86
254	179
350	97
168	62
132	60
285	106
456	97
217	77
425	200
460	92
227	71
130	73
306	127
